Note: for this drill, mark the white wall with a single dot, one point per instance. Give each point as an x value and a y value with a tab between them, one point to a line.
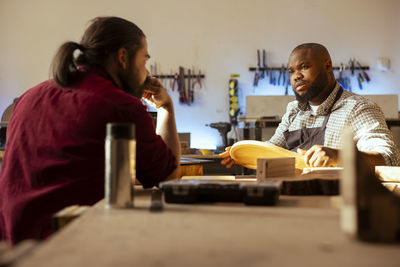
218	36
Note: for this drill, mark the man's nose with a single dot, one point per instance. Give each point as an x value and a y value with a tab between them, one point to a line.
298	76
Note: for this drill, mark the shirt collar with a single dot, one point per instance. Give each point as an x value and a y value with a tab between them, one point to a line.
324	106
101	71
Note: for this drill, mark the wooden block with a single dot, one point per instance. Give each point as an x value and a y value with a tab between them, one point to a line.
191	170
369	211
323	170
66	215
274	167
310	184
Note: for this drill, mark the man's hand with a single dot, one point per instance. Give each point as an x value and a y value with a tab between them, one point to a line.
156	95
226	158
320	156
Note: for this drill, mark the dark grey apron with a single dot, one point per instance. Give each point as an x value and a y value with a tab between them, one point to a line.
305	138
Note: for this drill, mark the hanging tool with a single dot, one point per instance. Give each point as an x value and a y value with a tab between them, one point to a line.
360	80
287	80
174	82
257	74
351	63
281	74
181	85
265	62
197	80
262	68
272	78
189	89
366	77
340	79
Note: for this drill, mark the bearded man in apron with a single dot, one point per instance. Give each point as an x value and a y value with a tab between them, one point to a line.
313	123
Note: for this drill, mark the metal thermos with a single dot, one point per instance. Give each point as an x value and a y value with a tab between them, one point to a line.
120	165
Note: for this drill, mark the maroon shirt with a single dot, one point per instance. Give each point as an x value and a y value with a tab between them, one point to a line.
55	151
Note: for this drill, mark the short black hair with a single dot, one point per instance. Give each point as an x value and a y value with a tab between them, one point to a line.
314	47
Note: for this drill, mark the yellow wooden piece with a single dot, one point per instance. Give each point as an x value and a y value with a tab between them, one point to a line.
196	170
388	173
247	152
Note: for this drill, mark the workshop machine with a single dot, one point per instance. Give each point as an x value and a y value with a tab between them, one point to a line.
223	129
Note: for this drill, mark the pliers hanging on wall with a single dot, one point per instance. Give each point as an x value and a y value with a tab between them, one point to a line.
174	81
197	80
366	77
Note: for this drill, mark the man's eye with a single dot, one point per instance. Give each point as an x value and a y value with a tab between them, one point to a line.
304	67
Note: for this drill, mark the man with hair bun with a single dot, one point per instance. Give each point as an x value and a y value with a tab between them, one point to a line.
54	155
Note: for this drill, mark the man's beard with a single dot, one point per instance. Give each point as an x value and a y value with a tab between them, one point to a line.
130	84
315	88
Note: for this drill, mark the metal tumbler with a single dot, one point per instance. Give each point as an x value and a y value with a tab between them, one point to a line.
120	164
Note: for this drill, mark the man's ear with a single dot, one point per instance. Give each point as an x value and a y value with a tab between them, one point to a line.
328	65
122	58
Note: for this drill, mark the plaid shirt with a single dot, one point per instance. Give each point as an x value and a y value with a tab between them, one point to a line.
363	116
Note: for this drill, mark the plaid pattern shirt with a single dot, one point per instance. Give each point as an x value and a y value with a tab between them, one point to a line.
362	115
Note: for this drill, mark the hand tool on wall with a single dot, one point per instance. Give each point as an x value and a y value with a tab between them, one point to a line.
197	80
366	77
360	80
257	74
262	67
272	78
174	82
281	74
340	78
287	81
181	85
352	67
189	88
265	63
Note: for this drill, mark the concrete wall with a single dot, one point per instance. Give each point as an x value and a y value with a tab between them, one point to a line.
218	36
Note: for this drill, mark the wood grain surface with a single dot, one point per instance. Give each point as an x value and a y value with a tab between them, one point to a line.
300	231
247	152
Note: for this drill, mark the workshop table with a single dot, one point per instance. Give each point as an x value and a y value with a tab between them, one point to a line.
300	231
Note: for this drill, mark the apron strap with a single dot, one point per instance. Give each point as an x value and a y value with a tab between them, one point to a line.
338	95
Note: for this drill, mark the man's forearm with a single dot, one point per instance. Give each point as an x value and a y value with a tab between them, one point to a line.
166	128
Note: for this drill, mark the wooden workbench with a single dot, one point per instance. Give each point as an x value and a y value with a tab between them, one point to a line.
300	231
